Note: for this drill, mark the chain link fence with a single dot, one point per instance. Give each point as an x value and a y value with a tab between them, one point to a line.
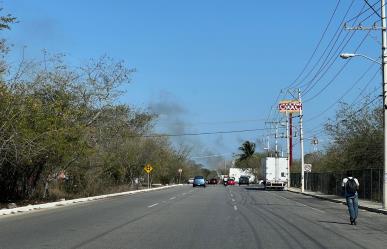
370	180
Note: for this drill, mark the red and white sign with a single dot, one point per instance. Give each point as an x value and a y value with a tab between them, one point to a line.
290	106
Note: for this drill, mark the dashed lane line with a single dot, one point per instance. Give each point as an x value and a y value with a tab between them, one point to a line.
153	205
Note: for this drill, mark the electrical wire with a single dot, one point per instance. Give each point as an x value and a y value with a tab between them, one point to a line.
338	73
317	46
199	133
345	93
372	7
335	38
361	13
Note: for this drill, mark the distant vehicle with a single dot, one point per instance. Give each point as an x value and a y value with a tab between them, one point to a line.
213	181
231	181
274	170
190	180
237	173
243	180
199	181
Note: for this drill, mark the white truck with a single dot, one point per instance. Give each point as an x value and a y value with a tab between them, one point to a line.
237	172
274	171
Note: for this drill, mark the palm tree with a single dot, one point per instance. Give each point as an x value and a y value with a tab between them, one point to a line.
248	150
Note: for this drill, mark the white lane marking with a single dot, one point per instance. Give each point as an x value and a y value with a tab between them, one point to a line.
172	198
153	205
302	204
233	200
235	208
231	195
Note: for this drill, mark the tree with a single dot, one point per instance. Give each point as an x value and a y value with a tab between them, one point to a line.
356	138
247	149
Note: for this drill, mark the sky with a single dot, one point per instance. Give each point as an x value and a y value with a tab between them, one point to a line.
215	66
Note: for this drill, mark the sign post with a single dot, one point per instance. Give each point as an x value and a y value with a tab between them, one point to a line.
148	169
180	170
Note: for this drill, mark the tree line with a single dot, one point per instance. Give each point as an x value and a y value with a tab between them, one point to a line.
64	133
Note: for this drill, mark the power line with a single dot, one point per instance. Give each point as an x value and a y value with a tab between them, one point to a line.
345	93
328	58
199	133
372	7
338	73
317	46
361	13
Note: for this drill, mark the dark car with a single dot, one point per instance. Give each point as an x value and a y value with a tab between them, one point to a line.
213	181
199	181
243	180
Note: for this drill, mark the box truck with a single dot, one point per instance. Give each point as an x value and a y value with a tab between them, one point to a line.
274	171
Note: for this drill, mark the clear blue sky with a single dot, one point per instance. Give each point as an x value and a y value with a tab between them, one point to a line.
206	66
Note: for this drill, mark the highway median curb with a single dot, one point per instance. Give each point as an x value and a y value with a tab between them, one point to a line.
370	209
18	210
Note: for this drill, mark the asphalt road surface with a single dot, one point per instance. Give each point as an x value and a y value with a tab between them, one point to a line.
184	217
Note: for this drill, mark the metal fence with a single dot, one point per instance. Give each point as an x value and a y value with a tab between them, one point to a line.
370	180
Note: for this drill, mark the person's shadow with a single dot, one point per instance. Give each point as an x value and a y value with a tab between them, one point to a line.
334	222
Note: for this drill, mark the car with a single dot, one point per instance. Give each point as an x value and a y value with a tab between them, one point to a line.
213	181
190	180
199	181
231	181
243	180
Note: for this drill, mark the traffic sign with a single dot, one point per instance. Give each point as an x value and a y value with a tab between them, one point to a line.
148	168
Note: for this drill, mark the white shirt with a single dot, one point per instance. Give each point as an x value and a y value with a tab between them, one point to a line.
345	180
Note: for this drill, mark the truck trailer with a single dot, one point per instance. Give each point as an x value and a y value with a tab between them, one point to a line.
274	171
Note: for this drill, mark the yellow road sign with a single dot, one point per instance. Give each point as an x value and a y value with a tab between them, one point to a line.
148	168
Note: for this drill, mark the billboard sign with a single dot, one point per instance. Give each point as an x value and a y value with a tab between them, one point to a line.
290	106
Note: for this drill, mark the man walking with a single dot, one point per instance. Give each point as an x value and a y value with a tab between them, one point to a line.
350	186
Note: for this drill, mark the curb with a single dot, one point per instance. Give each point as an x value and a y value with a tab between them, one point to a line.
374	210
55	204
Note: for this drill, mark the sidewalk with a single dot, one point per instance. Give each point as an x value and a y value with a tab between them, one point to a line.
75	201
363	204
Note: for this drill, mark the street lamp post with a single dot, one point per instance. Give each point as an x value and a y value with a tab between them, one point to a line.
383	64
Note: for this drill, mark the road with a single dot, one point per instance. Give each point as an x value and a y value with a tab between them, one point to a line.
185	217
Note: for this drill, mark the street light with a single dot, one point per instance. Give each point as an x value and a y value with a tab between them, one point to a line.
348	56
383	64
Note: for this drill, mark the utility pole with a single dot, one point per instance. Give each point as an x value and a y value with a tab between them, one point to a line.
276	177
288	146
302	144
384	70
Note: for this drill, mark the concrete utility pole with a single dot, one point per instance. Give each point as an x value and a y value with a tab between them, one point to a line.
302	144
276	176
288	146
384	70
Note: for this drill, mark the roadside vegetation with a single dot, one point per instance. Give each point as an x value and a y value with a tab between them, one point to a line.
64	133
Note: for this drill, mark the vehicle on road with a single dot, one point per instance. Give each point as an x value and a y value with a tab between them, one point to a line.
231	181
213	181
190	181
237	173
199	181
275	172
244	180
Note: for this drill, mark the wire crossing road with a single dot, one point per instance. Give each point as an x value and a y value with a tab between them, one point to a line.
186	217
